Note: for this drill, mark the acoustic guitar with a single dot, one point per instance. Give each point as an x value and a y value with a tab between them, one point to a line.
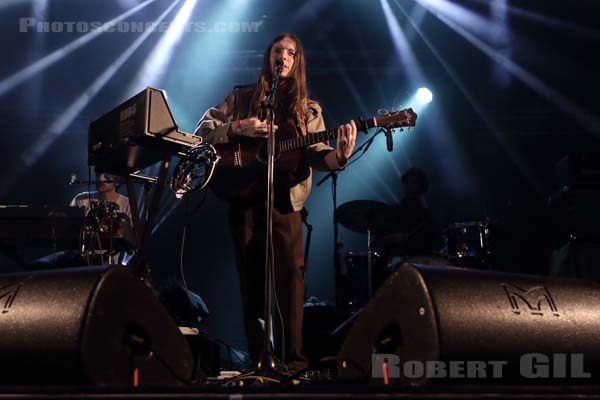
243	163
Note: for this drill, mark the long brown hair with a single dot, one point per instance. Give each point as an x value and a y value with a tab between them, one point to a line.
295	82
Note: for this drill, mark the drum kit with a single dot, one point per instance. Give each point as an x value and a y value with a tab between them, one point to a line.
104	230
362	216
467	244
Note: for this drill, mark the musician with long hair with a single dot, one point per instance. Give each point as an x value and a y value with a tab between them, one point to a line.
239	119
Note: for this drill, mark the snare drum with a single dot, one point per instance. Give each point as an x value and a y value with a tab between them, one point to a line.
468	243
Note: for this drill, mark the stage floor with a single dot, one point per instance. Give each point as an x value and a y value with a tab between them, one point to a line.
307	391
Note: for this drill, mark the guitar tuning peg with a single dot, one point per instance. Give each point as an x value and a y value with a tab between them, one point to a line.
410	129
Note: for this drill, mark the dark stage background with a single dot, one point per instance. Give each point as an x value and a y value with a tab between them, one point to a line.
514	88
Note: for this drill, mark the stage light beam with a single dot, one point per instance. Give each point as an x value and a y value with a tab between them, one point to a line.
403	49
480	26
449	159
157	63
10	3
40	65
518	160
57	128
584	117
553	23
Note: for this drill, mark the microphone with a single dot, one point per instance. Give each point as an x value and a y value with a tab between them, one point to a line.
74	180
388	140
278	66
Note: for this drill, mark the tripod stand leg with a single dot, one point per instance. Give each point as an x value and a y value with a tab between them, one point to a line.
141	268
370	262
135	212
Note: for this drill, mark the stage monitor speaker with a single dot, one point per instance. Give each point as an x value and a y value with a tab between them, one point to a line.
93	325
428	324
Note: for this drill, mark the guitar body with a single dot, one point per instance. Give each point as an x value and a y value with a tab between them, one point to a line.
242	170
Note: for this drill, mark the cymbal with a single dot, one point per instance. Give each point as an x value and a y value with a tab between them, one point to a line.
361	215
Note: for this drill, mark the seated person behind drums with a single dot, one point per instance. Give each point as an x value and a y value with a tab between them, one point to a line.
106	185
106	201
412	230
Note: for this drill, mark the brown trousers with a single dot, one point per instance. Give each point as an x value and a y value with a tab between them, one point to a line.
247	224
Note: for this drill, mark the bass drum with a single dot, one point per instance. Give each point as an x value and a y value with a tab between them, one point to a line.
468	244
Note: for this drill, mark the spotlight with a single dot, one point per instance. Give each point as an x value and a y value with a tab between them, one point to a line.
424	95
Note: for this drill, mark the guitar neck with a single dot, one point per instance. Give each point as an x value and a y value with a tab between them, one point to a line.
301	142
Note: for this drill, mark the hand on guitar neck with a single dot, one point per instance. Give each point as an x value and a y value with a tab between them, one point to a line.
346	139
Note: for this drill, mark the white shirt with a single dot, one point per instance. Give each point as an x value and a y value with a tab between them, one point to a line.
82	200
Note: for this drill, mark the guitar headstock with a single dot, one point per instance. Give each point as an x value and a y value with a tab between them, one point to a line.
396	119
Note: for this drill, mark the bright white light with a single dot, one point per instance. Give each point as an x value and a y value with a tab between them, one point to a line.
424	95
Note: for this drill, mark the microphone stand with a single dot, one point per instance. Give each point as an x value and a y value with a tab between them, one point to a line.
334	175
309	228
266	361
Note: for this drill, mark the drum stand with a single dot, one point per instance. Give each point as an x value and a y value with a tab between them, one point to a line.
370	262
334	175
143	227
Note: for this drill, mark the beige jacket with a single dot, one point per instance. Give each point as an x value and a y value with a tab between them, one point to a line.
216	126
